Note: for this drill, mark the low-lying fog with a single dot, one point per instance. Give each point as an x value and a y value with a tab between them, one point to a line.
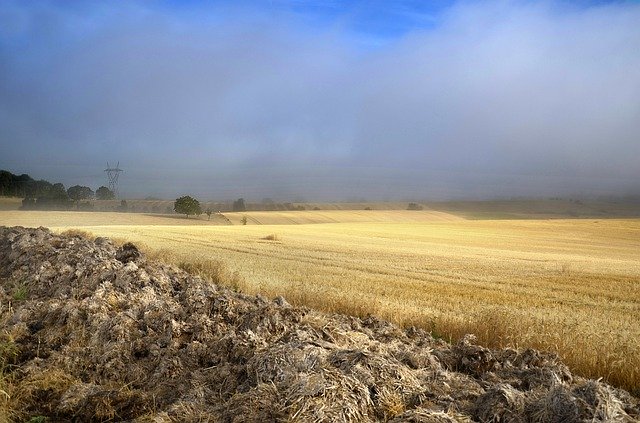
377	100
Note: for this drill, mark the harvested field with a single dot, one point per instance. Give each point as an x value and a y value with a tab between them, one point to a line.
64	218
542	208
80	219
338	216
91	332
570	286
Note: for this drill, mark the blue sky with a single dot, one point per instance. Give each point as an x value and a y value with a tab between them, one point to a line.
378	20
324	99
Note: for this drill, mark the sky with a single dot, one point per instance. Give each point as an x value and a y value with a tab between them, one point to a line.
324	100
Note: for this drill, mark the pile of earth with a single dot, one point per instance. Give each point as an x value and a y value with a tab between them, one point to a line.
92	332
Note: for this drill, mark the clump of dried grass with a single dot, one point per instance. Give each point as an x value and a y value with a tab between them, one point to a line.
389	404
556	404
8	353
501	403
272	237
421	415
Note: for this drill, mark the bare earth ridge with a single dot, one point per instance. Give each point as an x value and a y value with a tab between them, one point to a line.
93	332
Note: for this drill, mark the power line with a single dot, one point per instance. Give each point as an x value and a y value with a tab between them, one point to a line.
112	175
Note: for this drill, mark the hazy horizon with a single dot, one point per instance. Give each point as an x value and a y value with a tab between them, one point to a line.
325	101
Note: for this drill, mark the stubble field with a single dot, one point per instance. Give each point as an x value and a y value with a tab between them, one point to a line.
571	286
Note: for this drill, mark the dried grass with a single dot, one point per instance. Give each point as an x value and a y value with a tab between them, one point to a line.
272	237
513	283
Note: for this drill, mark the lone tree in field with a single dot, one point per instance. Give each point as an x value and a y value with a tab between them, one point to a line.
208	213
104	193
187	205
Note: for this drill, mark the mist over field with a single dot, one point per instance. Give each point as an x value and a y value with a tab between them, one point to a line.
320	100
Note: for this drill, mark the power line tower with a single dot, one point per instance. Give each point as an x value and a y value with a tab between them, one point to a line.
112	175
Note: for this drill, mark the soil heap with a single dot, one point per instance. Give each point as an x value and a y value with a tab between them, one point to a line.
92	332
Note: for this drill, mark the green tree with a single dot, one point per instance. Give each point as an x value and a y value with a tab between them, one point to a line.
104	193
187	205
58	192
77	193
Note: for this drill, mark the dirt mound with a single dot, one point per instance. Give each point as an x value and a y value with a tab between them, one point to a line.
93	332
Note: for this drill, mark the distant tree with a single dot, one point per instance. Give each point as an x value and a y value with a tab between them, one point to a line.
16	185
208	213
414	206
58	192
77	193
104	193
56	199
123	207
244	220
187	205
39	188
6	180
37	195
239	205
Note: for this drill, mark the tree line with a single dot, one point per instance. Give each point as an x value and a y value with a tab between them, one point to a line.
42	194
189	206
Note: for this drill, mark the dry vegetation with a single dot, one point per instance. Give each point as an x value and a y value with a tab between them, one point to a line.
91	332
81	219
571	286
338	216
64	218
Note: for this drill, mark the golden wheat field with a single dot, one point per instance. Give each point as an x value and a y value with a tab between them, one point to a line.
571	286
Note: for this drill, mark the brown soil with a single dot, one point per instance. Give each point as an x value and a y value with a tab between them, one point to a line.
91	332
